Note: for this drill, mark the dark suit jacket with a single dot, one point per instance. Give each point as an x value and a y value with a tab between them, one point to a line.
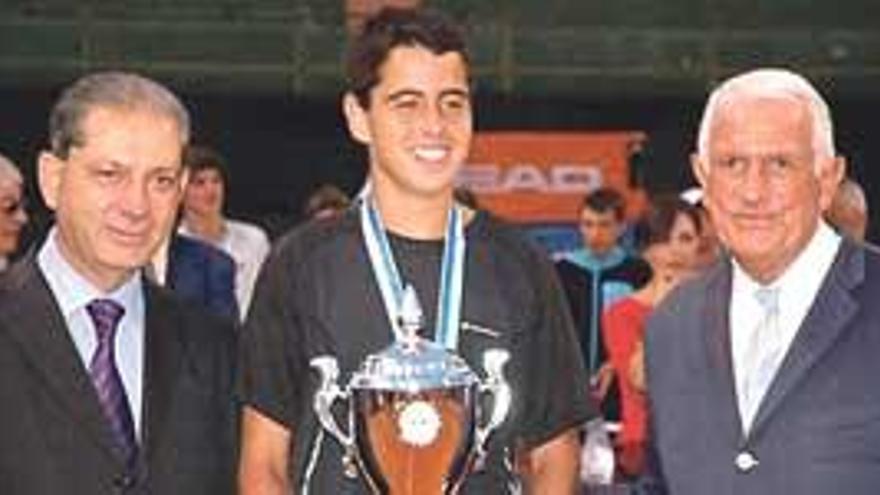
817	430
202	274
53	436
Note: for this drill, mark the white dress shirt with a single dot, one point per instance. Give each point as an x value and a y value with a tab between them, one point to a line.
73	292
797	286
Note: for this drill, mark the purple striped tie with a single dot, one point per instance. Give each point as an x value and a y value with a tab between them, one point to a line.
106	314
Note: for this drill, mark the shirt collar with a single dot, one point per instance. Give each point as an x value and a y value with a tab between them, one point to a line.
184	229
72	291
587	259
159	262
807	270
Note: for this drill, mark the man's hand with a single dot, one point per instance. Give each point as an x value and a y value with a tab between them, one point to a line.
601	382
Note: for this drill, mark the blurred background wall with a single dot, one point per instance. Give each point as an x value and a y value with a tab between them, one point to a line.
262	77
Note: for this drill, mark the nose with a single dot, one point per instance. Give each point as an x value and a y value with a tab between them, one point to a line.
682	251
20	216
755	182
432	120
135	199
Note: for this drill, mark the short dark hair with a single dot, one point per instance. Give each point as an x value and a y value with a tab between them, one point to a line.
467	197
197	158
327	197
115	90
392	27
655	226
603	200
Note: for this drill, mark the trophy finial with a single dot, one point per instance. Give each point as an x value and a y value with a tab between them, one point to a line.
410	318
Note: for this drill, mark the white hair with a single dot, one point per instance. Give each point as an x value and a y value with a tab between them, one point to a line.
8	171
772	84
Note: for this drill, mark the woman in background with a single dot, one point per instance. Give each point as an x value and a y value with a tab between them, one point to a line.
668	237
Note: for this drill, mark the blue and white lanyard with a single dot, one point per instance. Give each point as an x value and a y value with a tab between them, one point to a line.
391	285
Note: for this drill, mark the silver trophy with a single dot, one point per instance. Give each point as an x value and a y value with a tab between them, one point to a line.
415	421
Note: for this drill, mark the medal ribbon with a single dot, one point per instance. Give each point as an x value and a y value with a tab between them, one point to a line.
449	297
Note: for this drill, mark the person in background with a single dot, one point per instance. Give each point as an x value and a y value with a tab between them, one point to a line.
762	372
12	210
203	218
466	197
668	238
328	201
111	384
594	276
849	210
709	252
197	272
409	103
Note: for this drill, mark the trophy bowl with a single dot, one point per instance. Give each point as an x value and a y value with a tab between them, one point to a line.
416	421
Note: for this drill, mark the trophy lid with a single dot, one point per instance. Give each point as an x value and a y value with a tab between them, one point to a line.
412	363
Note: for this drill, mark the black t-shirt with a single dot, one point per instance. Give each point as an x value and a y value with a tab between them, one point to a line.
317	295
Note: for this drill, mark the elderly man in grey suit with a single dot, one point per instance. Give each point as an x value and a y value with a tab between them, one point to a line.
109	384
762	373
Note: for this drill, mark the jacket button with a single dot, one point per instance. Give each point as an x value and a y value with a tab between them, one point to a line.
745	461
124	481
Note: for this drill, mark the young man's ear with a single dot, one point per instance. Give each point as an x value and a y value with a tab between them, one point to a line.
356	118
50	169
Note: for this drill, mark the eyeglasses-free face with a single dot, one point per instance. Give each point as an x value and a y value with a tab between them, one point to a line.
12	216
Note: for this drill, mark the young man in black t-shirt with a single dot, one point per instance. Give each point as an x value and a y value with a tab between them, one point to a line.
409	103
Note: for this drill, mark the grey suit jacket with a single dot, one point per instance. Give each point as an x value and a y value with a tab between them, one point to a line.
817	430
53	436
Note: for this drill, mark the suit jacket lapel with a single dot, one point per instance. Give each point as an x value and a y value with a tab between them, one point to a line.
824	324
164	357
172	262
46	344
716	339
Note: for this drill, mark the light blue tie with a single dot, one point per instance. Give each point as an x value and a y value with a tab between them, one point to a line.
763	356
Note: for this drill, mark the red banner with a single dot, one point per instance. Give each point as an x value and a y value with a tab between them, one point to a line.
542	177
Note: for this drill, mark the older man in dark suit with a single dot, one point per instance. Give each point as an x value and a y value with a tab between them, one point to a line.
763	373
110	385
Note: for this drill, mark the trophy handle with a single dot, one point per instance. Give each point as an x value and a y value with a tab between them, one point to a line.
494	361
327	393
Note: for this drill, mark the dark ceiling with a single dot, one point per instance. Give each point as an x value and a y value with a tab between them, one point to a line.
580	48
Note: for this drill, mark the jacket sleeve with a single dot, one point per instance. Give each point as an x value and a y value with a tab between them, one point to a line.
651	481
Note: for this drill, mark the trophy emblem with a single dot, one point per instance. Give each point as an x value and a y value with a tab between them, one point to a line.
415	417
